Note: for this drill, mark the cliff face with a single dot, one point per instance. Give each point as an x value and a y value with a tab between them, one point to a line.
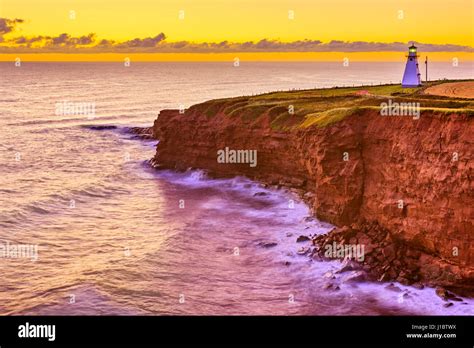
403	187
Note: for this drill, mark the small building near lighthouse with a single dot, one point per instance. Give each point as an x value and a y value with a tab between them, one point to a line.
411	77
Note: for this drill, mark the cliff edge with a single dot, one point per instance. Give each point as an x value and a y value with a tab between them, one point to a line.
402	185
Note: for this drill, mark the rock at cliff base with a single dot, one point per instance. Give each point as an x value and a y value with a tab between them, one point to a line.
347	265
356	276
303	251
446	295
393	287
267	244
302	239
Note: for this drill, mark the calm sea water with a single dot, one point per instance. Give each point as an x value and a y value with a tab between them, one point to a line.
111	236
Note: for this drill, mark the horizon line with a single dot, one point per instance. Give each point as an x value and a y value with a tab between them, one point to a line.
370	56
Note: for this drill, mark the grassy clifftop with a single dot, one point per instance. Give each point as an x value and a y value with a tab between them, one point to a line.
320	107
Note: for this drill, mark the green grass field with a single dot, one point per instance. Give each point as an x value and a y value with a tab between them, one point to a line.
321	107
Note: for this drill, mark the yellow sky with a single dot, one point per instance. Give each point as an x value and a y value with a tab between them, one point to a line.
426	21
430	21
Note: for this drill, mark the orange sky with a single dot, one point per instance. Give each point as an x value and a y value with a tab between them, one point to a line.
438	22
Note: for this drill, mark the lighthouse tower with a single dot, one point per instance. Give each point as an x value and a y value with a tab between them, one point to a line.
411	77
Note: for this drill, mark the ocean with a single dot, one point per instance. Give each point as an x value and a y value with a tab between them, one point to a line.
111	235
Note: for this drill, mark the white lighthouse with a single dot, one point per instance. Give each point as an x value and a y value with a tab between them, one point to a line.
411	77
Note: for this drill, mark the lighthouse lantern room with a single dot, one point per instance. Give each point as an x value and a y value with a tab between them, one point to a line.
411	77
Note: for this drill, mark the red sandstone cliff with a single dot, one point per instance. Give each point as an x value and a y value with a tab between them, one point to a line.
405	190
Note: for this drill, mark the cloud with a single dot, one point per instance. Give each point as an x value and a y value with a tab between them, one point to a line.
158	44
146	42
8	25
66	40
47	42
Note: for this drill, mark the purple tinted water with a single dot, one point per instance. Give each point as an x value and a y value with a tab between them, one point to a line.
112	237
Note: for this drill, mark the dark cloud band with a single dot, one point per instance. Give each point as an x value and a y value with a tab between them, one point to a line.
158	44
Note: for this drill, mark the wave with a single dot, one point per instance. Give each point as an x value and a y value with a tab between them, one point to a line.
37	209
100	127
10	100
75	119
57	203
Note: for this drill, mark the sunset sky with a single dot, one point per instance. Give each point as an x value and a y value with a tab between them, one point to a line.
118	22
